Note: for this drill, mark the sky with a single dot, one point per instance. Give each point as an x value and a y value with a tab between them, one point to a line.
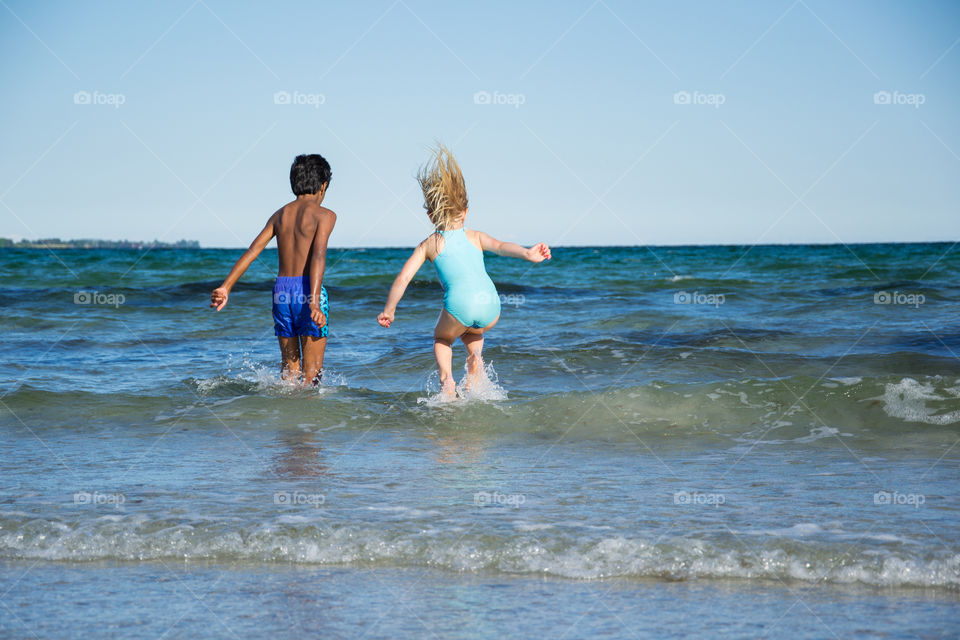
575	122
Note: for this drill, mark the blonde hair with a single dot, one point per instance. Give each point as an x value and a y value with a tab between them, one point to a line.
444	192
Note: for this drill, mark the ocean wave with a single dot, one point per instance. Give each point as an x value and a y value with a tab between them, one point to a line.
795	411
769	555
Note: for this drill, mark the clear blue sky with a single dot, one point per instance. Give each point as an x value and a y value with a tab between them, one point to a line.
599	152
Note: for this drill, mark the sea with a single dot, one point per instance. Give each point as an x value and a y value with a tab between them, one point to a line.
704	441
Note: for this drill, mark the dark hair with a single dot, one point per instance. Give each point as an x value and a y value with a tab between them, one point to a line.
309	173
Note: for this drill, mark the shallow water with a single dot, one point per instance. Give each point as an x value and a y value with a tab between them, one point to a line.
151	600
674	440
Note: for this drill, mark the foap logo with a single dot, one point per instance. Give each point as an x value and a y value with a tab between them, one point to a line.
510	99
698	498
898	297
309	99
711	99
98	98
513	299
712	299
482	297
97	298
486	498
288	297
896	97
298	499
98	499
899	499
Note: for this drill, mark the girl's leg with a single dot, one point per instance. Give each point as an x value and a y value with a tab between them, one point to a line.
474	344
473	341
446	331
443	352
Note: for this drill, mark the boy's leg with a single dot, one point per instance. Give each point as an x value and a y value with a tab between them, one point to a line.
312	347
290	353
446	331
474	344
313	350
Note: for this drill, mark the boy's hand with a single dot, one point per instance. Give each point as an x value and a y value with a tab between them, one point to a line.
385	319
317	316
538	252
218	299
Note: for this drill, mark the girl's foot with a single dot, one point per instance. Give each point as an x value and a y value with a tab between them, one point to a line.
449	390
474	371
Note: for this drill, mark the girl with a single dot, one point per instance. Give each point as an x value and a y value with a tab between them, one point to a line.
471	305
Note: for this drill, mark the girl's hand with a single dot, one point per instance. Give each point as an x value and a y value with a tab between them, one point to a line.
219	297
538	252
385	319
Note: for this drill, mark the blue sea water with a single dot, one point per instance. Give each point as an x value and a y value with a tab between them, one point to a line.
688	441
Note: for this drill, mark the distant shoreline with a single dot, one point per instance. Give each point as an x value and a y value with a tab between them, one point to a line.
57	243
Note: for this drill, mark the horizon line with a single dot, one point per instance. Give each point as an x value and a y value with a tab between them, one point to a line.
169	244
642	246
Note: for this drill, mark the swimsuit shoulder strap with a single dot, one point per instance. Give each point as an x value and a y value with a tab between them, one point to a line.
454	237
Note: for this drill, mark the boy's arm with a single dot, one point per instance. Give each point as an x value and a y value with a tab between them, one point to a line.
318	264
219	296
414	262
537	253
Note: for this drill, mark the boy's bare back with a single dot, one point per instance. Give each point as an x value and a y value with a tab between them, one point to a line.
302	227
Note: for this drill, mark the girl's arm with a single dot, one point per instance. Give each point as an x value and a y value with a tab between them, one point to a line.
537	253
219	296
414	262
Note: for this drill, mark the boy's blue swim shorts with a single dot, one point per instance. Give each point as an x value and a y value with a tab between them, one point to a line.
291	308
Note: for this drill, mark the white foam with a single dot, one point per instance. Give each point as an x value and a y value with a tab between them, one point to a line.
339	425
798	530
908	400
266	378
819	433
292	519
406	511
532	550
485	388
523	526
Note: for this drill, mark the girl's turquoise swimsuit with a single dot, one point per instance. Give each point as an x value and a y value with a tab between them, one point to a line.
468	292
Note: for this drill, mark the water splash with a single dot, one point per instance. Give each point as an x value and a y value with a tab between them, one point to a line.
251	376
485	388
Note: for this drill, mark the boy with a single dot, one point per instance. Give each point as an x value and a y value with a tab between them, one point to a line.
300	303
